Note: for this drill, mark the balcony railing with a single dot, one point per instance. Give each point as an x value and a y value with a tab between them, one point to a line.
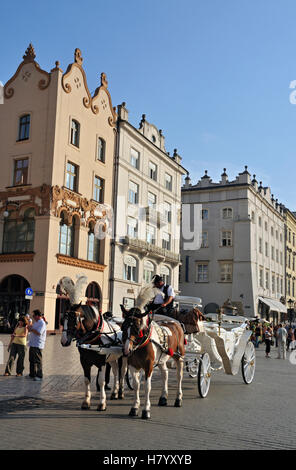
141	246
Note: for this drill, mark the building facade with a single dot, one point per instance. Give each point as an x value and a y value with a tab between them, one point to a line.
147	210
57	153
242	250
290	261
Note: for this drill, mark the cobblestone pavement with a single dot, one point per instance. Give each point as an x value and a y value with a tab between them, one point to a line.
233	416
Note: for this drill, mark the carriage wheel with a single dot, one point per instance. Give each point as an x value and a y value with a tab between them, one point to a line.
204	375
249	363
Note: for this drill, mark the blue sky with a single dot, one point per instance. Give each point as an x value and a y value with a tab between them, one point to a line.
213	75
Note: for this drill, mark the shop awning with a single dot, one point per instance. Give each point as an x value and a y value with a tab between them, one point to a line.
274	305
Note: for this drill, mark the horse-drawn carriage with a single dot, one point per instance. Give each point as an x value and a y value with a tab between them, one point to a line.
146	340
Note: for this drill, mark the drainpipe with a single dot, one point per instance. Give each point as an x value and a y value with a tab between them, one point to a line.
114	204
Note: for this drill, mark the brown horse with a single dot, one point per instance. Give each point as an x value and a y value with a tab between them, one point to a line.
147	345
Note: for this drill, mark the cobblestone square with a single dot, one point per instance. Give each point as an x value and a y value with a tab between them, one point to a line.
233	416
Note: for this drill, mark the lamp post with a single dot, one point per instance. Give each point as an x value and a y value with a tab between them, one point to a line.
291	311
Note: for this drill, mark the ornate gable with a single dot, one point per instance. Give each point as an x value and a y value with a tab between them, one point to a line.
88	100
28	58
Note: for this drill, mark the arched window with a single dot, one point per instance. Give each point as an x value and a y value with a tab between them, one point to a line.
93	246
130	271
149	270
75	133
94	296
165	273
101	151
24	127
66	239
18	232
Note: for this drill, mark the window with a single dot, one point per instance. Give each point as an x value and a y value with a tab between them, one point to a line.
130	269
266	279
281	237
165	273
148	271
168	182
266	249
272	252
166	241
293	239
24	127
18	232
20	172
66	240
204	214
277	255
93	246
261	280
281	286
226	238
276	234
204	240
260	221
135	158
271	231
168	212
273	283
226	272
99	186
132	227
75	133
133	193
278	285
72	176
202	272
266	226
227	213
150	234
281	258
153	171
260	245
151	200
101	150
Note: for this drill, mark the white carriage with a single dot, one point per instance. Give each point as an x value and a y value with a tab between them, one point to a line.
223	342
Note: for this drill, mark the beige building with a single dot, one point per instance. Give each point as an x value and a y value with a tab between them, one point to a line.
57	151
147	210
290	219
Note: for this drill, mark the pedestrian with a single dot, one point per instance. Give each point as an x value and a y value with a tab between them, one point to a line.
37	340
282	340
17	347
290	338
268	338
258	333
275	335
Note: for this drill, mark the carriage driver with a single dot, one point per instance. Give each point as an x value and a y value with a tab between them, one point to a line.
165	300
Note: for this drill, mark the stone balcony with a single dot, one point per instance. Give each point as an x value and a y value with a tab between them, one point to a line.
148	249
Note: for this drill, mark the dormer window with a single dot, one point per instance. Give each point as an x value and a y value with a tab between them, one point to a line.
75	133
24	127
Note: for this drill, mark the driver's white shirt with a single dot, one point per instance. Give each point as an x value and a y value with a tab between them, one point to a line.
159	299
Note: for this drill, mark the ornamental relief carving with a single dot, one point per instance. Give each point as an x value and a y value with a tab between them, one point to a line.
20	199
64	200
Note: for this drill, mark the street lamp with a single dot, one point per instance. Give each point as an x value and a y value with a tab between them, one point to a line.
291	311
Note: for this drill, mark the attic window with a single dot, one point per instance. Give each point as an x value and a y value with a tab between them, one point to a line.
153	139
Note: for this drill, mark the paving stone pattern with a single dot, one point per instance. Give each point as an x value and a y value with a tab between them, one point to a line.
233	416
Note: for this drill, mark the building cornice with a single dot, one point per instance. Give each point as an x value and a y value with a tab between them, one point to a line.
80	263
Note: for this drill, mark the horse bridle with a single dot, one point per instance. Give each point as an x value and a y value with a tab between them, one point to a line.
79	323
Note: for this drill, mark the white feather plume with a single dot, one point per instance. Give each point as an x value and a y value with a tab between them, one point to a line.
146	295
74	291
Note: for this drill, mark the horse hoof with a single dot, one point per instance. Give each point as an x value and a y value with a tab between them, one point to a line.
101	407
133	412
85	406
114	396
162	401
178	403
120	395
146	414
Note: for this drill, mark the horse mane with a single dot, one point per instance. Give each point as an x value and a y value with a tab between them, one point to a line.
74	291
